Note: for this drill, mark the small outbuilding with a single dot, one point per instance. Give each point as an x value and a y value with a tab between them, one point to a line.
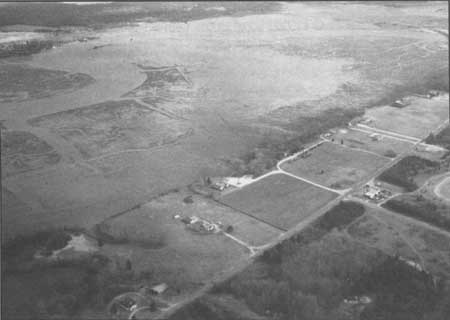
159	289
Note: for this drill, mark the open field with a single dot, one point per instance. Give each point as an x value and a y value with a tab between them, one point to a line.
23	151
426	114
383	146
169	251
279	200
20	82
334	166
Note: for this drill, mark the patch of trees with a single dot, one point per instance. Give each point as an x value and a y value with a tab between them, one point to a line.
25	48
400	291
422	209
308	280
441	139
390	153
402	174
48	240
340	216
106	233
64	288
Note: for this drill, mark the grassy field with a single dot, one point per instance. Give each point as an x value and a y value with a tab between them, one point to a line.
360	140
20	82
279	200
426	114
335	166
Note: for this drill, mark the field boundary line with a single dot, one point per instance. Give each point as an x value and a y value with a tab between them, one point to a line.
241	242
341	192
251	216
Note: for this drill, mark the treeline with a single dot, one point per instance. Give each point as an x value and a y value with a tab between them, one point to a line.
25	48
400	291
61	288
403	173
422	209
340	216
441	139
108	233
101	14
48	240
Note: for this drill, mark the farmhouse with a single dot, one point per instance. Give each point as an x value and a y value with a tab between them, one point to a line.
372	192
199	225
239	182
218	183
159	289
